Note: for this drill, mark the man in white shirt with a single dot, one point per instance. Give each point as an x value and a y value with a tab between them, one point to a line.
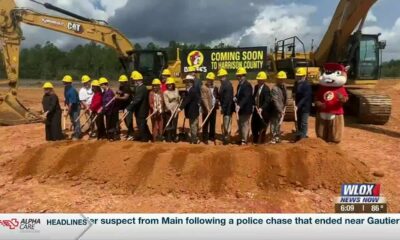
86	94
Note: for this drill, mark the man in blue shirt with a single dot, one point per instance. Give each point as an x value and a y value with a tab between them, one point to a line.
72	102
302	93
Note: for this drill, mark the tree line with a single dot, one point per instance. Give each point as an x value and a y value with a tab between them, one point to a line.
48	62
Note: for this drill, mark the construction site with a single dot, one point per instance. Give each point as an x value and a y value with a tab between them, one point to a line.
98	176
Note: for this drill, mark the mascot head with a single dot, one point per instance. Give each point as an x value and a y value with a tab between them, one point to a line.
335	75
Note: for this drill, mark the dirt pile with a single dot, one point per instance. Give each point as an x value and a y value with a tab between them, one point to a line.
201	171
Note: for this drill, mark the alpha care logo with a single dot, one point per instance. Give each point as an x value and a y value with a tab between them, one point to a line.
195	59
11	224
76	27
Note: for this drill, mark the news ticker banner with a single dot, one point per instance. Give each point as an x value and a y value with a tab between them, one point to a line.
199	226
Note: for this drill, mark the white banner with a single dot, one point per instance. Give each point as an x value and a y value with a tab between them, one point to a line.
199	226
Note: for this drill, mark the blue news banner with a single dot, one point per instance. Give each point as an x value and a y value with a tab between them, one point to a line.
199	226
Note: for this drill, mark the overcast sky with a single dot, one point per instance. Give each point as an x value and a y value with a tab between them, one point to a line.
236	22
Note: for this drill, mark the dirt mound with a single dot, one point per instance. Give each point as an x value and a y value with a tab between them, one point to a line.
201	171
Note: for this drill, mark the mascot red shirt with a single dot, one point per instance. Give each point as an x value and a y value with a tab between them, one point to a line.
329	100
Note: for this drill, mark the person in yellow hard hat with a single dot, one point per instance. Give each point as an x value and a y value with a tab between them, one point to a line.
52	113
262	99
197	82
71	97
278	106
109	110
96	109
227	105
140	106
85	94
166	73
124	97
156	103
244	105
171	101
191	106
302	93
209	106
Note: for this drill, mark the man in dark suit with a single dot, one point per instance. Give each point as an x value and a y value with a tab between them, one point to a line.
191	106
262	99
140	106
244	104
227	104
209	104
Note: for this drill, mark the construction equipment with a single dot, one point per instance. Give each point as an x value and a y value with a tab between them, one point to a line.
149	63
344	43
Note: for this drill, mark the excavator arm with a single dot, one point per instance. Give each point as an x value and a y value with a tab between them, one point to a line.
12	112
348	15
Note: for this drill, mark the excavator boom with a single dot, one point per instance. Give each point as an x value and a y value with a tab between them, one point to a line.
12	112
348	15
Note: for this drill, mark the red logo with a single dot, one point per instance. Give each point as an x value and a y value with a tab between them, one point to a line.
11	224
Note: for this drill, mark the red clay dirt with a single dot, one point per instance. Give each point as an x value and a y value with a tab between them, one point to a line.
92	176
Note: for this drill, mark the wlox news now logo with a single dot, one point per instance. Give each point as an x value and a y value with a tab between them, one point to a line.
361	193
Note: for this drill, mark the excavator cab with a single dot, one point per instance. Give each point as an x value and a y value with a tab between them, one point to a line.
364	56
150	63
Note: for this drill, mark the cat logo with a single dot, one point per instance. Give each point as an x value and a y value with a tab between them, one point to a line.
76	27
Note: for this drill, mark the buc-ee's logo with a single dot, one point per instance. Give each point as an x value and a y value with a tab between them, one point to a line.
76	27
10	223
195	58
328	96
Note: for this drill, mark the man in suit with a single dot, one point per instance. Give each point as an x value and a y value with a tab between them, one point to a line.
244	105
209	104
191	106
140	106
302	93
262	99
227	104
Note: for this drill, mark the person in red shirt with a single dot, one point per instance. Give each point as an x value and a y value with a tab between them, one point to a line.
96	108
329	100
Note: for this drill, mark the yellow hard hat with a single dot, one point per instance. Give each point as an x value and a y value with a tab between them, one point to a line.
222	72
95	83
103	80
170	80
156	81
301	72
241	71
262	76
85	78
123	78
281	75
191	69
48	85
67	79
210	76
166	72
136	76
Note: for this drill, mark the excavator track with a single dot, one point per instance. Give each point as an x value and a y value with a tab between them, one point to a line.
369	106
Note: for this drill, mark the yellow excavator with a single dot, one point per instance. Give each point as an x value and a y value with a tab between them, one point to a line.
344	43
12	112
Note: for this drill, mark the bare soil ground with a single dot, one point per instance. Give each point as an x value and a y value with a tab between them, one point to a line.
98	176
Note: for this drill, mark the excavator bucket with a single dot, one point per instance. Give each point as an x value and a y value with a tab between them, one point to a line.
12	112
